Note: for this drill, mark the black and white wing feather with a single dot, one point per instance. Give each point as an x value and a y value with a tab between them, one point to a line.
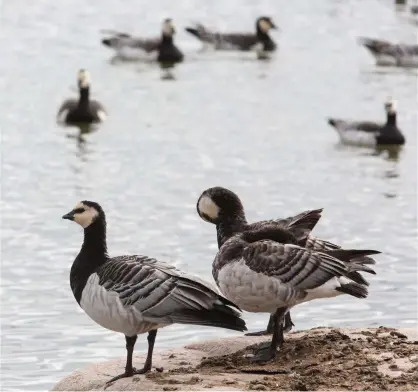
163	295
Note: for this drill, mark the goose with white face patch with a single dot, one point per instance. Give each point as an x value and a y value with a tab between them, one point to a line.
82	110
388	53
158	49
370	134
260	41
138	294
223	208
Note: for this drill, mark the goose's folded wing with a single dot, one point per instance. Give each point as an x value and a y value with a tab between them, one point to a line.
147	44
240	40
159	291
299	268
299	225
348	125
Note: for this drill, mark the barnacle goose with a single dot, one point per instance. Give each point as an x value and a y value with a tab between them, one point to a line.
82	110
223	208
391	54
260	41
161	49
138	294
369	134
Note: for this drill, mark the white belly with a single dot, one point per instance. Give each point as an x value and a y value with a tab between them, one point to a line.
251	291
357	137
107	310
128	53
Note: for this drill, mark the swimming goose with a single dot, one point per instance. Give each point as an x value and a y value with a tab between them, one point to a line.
224	208
260	41
82	110
134	48
367	133
261	271
391	54
138	294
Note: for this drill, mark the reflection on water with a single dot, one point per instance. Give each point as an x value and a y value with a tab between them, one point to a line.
256	127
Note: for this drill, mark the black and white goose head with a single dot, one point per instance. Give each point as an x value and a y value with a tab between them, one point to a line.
219	205
390	108
264	24
83	79
87	214
168	29
265	44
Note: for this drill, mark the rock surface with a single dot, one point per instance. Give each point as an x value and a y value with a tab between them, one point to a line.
317	359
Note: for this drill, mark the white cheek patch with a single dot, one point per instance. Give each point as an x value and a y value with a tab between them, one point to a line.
264	26
167	28
86	218
208	207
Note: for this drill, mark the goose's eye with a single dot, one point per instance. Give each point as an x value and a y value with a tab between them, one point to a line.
79	210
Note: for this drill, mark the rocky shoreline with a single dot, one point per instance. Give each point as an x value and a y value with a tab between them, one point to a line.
318	359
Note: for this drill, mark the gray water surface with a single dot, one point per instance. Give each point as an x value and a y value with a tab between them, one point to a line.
258	128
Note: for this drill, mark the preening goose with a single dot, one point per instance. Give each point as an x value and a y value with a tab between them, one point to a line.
138	294
391	54
82	110
224	208
370	134
262	272
259	41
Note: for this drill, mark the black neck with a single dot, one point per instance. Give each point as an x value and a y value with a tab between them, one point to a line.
166	39
262	35
84	96
228	226
93	254
391	119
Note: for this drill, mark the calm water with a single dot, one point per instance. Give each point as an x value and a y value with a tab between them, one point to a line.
256	127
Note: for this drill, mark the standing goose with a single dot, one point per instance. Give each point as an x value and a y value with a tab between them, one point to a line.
138	294
260	40
262	272
153	49
367	133
82	110
224	208
391	54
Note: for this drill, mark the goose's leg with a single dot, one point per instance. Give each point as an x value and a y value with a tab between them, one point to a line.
129	369
266	354
288	324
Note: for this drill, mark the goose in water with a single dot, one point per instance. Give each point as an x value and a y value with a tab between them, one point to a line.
222	207
138	294
259	41
151	49
82	110
370	134
391	54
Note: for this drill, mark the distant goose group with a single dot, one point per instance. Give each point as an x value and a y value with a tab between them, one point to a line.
271	266
138	294
367	133
391	54
84	109
162	49
260	40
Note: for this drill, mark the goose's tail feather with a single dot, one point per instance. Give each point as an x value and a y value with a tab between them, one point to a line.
221	316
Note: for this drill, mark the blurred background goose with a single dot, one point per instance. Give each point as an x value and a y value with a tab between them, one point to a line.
368	133
82	110
259	41
128	47
391	54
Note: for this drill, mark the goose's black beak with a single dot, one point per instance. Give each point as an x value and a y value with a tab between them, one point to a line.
69	215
